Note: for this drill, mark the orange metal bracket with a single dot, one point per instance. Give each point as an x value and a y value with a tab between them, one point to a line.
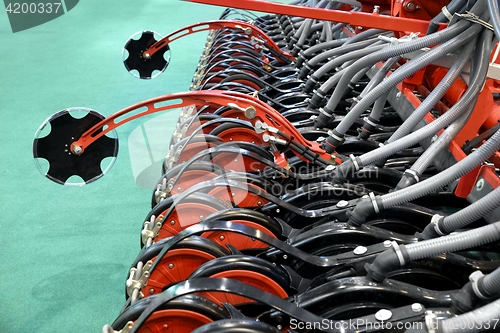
251	107
249	29
370	20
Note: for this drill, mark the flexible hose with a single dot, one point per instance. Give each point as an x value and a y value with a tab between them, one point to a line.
441	142
494	9
393	51
491	283
452	243
430	129
436	94
308	66
403	72
471	213
364	35
367	206
332	64
379	76
470	322
452	7
306	54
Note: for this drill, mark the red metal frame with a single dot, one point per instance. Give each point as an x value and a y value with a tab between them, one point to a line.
260	112
369	20
246	27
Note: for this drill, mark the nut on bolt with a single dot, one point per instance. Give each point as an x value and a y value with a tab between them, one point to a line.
77	150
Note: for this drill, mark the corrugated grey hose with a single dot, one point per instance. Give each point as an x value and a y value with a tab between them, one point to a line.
379	76
306	54
402	254
452	8
390	52
473	320
397	76
494	9
436	94
369	205
308	66
412	175
467	215
430	129
338	61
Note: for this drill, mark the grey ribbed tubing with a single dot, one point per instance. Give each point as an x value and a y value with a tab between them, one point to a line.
393	51
455	242
364	35
378	107
471	213
452	7
494	9
468	163
436	94
403	72
491	282
306	54
379	76
448	117
441	143
487	313
329	66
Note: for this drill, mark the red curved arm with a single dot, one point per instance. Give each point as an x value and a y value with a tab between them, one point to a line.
249	29
250	106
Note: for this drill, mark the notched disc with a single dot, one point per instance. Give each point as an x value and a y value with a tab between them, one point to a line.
134	61
55	148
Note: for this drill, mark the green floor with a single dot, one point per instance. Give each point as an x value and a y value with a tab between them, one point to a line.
65	251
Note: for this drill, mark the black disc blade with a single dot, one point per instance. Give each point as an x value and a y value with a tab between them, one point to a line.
135	60
54	147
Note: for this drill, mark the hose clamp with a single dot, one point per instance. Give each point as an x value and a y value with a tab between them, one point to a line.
474	279
413	173
355	162
368	121
374	203
435	221
322	111
447	13
397	249
330	133
475	19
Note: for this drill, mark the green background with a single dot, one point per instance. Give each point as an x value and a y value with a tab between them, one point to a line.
65	251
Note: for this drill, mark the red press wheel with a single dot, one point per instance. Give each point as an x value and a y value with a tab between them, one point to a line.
240	197
174	321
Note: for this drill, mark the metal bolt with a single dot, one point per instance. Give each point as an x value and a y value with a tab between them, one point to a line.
376	9
77	150
202	217
285	256
172	222
151	291
480	184
278	210
410	6
147	56
387	243
416	307
179	189
279	327
170	266
398	94
259	203
222	238
230	139
233	194
165	326
235	161
342	203
434	138
383	315
360	250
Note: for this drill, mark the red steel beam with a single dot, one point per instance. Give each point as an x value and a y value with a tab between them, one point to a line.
369	20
